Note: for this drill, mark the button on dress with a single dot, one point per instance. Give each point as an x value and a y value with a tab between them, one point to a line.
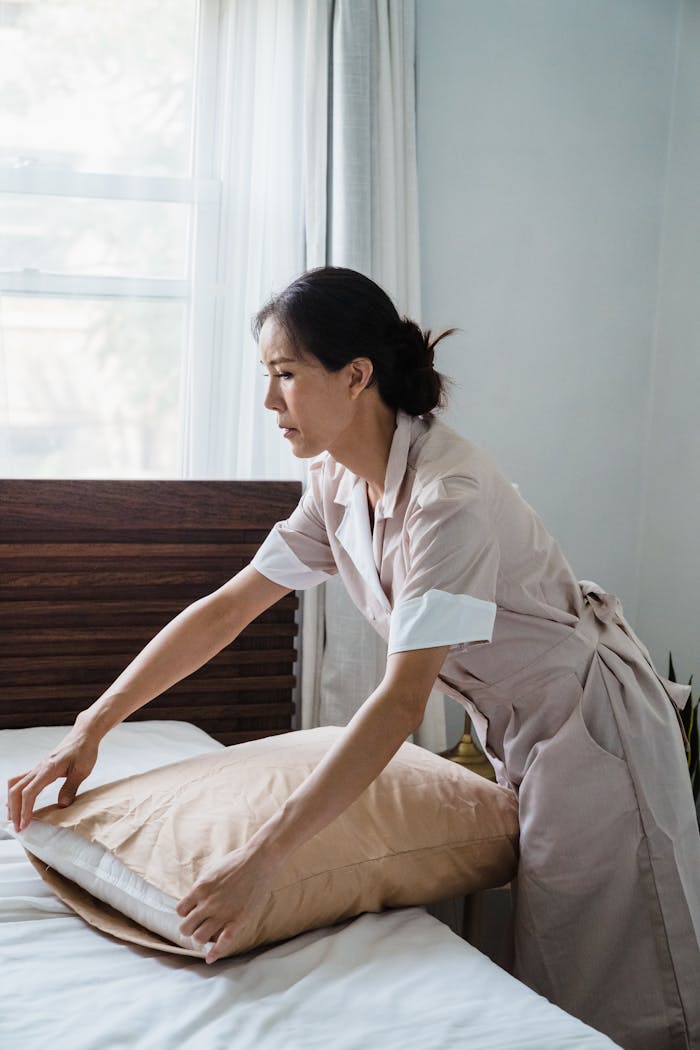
573	715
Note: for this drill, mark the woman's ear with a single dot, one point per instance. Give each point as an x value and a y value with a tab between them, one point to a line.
361	372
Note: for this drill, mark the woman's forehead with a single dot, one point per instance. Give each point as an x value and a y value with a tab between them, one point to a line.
277	347
274	342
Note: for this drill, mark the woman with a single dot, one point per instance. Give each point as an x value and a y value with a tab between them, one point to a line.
458	574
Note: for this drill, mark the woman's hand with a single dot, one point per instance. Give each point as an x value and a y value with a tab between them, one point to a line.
74	758
228	894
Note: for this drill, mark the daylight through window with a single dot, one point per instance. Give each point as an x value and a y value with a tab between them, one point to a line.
96	211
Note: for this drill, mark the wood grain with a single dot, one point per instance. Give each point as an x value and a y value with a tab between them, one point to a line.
91	570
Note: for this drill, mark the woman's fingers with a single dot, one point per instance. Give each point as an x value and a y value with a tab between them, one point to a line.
229	894
15	780
186	905
204	923
24	790
74	759
16	795
223	945
14	788
207	931
194	909
26	795
191	923
70	789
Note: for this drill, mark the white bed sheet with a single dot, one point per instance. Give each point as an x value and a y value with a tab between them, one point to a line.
397	980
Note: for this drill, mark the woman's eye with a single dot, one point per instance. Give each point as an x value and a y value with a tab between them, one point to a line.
278	375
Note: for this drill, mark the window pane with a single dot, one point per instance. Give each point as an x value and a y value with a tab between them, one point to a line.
89	388
95	85
93	237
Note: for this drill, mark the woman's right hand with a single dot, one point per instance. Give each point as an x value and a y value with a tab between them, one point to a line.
74	759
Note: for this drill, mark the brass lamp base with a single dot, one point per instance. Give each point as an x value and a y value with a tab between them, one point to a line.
465	753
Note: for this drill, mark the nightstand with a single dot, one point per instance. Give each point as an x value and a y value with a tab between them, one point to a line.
487	916
487	923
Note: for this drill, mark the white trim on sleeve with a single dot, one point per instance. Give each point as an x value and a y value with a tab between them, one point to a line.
280	564
440	618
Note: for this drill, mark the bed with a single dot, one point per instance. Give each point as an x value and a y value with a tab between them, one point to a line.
90	571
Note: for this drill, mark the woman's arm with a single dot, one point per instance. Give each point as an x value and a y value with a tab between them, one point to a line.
231	890
183	645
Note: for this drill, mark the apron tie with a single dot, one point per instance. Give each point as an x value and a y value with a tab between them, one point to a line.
607	608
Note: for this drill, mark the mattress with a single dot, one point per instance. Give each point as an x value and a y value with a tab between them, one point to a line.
401	979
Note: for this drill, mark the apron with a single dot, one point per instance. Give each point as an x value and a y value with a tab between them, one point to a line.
607	900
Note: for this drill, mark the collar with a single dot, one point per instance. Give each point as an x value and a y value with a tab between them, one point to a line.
397	462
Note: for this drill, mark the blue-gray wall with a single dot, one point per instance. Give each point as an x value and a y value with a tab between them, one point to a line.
559	160
669	601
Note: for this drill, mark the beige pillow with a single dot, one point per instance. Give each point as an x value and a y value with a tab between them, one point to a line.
426	829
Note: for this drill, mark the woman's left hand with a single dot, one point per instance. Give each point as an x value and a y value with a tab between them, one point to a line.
228	894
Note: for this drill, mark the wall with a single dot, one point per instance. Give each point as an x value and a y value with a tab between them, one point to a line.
542	148
669	607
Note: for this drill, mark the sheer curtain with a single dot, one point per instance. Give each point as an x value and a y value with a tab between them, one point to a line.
248	132
311	136
370	223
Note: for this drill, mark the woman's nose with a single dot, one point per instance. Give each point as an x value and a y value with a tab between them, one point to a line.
272	398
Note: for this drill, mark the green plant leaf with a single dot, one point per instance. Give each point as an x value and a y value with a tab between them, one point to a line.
671	669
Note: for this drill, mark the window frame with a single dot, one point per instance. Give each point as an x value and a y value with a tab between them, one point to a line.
201	191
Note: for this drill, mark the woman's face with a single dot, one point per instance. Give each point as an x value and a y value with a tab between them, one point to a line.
315	408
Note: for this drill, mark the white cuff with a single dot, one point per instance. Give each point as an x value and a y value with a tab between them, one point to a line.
280	564
438	618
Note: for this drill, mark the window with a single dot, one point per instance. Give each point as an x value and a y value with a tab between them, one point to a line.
98	202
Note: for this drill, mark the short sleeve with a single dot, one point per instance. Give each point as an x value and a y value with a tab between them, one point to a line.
296	552
448	597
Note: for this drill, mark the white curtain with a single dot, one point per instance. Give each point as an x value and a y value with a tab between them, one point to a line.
249	131
365	76
313	146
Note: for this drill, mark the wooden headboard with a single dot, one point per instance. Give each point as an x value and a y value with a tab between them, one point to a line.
91	570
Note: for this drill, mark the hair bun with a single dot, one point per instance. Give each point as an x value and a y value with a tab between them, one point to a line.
417	387
417	350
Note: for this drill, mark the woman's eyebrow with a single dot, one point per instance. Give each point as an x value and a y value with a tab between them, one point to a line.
279	361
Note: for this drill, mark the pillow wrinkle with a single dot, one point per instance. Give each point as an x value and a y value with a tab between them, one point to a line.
424	830
473	844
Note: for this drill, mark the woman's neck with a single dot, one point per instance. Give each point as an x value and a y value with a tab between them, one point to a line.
366	450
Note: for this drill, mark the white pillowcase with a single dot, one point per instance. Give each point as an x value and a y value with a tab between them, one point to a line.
95	869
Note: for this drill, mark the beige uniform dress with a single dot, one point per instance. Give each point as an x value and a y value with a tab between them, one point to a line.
573	715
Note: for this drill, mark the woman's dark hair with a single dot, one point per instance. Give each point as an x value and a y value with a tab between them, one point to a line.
337	315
